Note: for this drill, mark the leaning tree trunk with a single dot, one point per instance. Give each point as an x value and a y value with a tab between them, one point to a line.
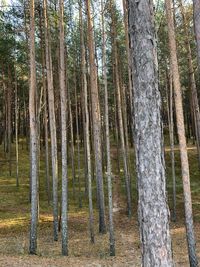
96	121
152	206
33	135
196	16
181	136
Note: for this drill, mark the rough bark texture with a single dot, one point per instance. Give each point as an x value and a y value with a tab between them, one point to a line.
33	135
196	14
63	99
96	121
152	206
181	136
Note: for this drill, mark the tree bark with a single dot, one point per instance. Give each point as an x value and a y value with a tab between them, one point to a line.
87	133
96	121
120	117
52	122
109	168
196	16
63	100
194	94
152	203
33	135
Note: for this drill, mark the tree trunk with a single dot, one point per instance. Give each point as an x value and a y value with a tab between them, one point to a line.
120	117
33	135
16	131
181	136
109	169
130	85
195	101
78	143
52	122
169	86
152	204
45	113
196	16
87	133
63	132
96	121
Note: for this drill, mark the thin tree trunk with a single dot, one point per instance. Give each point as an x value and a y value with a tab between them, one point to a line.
169	86
16	131
72	145
9	116
52	122
96	121
33	135
109	168
78	143
45	113
192	79
181	135
87	133
130	85
63	133
196	16
120	117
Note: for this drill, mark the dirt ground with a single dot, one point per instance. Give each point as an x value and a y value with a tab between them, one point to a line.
14	247
14	232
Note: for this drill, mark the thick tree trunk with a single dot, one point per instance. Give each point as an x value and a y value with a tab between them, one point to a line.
152	204
96	121
33	135
181	136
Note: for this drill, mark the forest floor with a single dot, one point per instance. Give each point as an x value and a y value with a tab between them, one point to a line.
15	222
